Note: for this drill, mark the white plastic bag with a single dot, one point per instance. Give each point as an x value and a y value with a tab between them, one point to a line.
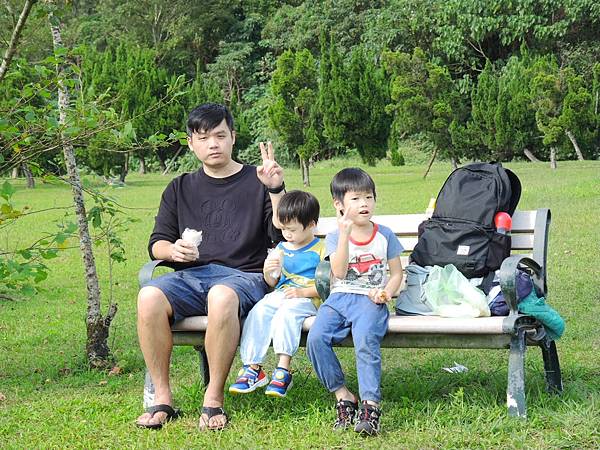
450	294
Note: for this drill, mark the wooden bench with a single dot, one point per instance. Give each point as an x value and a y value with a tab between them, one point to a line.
513	332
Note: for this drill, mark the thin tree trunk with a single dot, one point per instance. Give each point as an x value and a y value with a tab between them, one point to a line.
434	154
12	46
530	156
30	180
168	167
305	172
553	157
142	165
15	172
575	145
124	168
454	163
97	350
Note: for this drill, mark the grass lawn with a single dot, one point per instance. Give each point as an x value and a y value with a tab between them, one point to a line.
51	400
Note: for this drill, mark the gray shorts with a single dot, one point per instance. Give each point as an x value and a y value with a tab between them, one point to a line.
187	289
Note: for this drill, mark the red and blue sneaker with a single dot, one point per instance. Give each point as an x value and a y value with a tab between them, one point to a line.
248	380
281	382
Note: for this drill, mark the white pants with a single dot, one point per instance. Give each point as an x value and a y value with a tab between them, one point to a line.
274	318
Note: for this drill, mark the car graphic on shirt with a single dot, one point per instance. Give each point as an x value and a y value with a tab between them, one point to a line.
366	264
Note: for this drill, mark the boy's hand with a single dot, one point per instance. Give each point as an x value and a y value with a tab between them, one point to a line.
271	265
345	219
269	173
379	296
293	292
184	251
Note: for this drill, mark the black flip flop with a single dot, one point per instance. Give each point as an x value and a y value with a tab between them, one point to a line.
212	412
172	414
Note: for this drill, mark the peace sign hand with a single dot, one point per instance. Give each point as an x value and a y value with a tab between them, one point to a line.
269	173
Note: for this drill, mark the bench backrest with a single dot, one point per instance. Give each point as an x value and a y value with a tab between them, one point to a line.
529	232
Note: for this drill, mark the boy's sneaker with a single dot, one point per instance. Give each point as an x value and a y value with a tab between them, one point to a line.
281	382
248	380
368	419
346	414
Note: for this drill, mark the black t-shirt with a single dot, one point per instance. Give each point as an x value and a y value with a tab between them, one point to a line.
233	213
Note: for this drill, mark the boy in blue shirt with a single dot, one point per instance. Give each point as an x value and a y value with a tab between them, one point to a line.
360	251
280	314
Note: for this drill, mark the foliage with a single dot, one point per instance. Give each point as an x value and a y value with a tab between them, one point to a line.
292	112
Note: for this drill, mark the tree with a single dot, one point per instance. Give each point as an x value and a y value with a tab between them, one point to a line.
293	112
12	46
563	108
353	97
98	325
424	99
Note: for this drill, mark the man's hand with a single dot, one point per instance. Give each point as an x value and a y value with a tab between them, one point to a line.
379	296
184	251
269	173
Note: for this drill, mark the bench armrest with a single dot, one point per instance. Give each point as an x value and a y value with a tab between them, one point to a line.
508	278
323	279
145	273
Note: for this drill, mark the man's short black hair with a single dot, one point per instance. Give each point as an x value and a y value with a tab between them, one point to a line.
298	205
208	116
351	179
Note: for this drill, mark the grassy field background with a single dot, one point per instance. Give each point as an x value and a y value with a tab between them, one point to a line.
51	400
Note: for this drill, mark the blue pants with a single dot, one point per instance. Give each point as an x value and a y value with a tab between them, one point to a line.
274	318
341	314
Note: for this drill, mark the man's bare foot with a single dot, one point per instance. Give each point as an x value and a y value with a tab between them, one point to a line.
155	418
213	418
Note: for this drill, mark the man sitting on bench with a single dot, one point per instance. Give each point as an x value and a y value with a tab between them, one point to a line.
231	204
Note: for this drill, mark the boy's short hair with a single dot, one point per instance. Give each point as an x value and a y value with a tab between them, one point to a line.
351	179
208	116
298	205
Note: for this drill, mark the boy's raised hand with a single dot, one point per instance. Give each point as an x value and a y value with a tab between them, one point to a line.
269	172
345	219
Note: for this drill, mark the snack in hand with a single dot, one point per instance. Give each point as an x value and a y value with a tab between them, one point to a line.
383	296
193	236
275	253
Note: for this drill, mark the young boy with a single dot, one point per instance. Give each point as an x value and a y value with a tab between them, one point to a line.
280	314
359	251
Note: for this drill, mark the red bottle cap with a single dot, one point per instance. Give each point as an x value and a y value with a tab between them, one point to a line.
503	220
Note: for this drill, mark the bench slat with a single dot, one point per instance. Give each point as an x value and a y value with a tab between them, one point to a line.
407	224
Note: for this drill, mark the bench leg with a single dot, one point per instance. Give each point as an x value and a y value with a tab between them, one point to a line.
204	370
515	391
551	366
148	390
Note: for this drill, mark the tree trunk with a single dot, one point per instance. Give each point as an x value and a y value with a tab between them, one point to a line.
12	46
97	350
15	172
168	167
27	172
142	165
575	145
433	155
454	163
305	172
553	157
530	156
124	169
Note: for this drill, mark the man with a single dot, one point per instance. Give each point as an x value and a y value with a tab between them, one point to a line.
232	205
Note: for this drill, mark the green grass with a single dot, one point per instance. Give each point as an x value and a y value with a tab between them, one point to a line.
53	401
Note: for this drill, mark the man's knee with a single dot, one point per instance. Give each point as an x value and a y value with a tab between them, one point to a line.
152	302
223	302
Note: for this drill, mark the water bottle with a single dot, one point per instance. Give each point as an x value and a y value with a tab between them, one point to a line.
275	253
148	390
503	222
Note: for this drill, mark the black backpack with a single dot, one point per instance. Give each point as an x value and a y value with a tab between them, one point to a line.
461	230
